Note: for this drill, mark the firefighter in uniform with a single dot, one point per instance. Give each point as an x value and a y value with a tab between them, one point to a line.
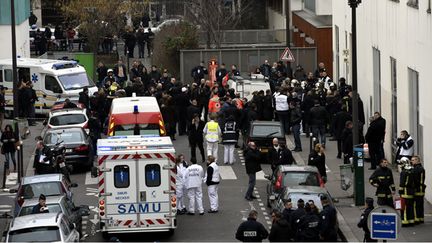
382	179
406	192
229	139
364	220
419	185
212	133
212	181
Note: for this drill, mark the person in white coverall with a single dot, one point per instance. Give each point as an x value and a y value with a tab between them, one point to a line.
194	177
212	133
212	181
181	166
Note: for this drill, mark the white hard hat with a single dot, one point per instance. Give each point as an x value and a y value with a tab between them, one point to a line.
110	70
184	89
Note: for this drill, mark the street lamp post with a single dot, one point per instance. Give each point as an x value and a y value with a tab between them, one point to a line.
358	163
14	61
288	31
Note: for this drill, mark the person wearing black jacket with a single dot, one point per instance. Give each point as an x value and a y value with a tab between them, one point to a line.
84	98
328	218
375	138
318	121
382	179
280	230
420	187
195	136
286	157
192	109
182	103
297	214
204	97
268	106
364	218
198	72
8	139
306	104
308	226
252	159
251	230
339	122
32	108
347	142
317	159
212	182
140	38
220	74
295	120
273	154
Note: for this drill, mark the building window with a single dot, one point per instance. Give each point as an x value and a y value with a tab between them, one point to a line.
393	76
153	175
8	75
413	3
276	5
377	79
121	176
310	5
413	99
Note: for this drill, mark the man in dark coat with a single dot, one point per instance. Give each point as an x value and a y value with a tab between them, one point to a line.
195	136
308	226
364	220
220	74
84	98
252	159
280	230
182	103
297	214
268	106
375	139
192	109
347	142
251	230
198	72
328	218
339	122
318	121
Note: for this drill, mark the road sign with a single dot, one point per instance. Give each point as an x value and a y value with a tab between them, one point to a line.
287	55
384	226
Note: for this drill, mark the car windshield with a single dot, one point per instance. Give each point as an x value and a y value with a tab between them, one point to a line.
66	137
47	188
300	178
266	131
36	234
67	119
52	208
75	81
142	129
315	197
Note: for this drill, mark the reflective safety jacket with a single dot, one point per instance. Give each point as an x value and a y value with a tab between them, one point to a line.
212	132
406	186
419	180
383	177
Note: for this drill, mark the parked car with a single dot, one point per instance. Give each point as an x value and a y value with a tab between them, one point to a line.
262	133
42	227
69	117
78	144
292	175
248	85
156	28
57	204
48	184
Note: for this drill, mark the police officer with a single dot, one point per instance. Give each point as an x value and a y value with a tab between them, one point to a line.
364	220
212	133
308	226
382	179
193	181
297	214
328	232
251	230
229	139
212	181
406	191
419	185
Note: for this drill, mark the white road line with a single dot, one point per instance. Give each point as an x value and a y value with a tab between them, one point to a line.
265	213
259	199
90	194
5	210
261	204
5	206
6	194
12	179
89	180
260	176
263	209
227	173
89	189
266	217
269	223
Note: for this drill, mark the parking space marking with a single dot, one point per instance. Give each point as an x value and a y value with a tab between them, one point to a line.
89	180
227	173
5	206
260	176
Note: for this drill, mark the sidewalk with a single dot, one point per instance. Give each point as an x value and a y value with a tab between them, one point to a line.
349	213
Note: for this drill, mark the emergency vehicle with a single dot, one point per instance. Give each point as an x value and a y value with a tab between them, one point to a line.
135	116
136	184
51	79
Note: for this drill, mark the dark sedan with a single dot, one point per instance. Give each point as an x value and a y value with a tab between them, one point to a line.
79	150
263	132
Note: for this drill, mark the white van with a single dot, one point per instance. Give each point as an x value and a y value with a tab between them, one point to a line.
136	184
51	79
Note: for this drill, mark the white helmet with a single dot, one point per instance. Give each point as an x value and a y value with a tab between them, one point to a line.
294	83
304	84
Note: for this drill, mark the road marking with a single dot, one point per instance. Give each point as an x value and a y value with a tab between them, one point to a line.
91	189
227	173
5	210
89	180
266	217
5	206
263	209
269	223
327	169
7	194
261	204
264	213
260	176
95	219
259	199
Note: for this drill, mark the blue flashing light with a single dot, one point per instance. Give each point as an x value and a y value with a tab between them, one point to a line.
136	109
70	64
104	148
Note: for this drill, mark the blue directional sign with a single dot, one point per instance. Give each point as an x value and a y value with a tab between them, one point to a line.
384	226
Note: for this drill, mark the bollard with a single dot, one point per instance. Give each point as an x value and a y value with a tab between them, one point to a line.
4	176
310	142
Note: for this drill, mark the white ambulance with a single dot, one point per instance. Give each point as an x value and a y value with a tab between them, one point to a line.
136	184
51	79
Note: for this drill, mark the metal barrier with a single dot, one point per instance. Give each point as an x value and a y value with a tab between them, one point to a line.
258	36
246	59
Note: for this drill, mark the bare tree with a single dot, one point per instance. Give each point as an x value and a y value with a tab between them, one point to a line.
214	16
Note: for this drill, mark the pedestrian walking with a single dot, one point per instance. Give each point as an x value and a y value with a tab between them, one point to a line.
285	156
406	192
2	105
375	139
212	133
328	221
308	226
317	158
295	120
282	109
420	186
195	136
405	145
318	118
252	159
280	230
382	179
273	155
364	219
212	181
9	138
251	230
347	142
229	139
339	125
181	192
194	177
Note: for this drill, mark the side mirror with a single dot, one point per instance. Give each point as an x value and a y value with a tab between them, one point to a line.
73	185
272	197
94	172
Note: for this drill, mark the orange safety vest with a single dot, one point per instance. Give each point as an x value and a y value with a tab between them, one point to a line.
214	104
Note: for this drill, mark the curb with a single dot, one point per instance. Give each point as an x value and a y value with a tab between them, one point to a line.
344	231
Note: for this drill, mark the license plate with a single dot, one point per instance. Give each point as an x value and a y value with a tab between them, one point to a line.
264	150
69	150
